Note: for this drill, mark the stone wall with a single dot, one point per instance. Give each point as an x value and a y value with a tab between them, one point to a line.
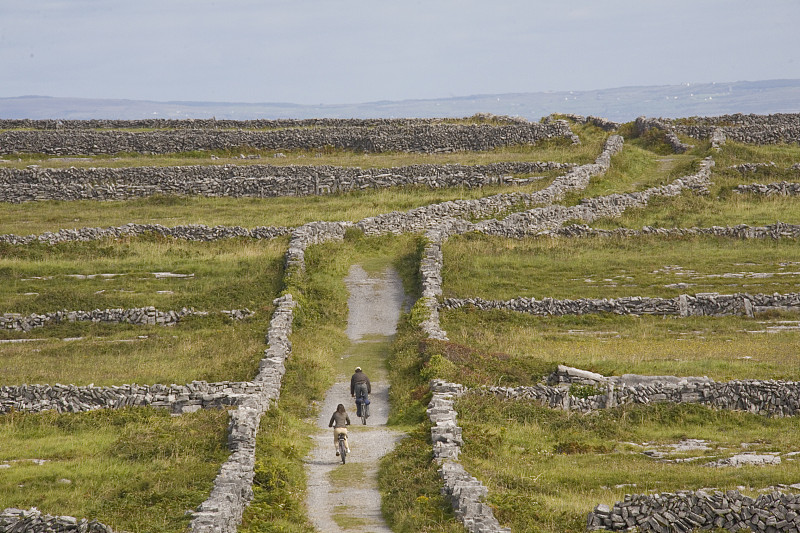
382	138
178	399
694	510
752	129
232	491
140	316
466	494
189	232
213	124
261	181
703	304
769	398
782	188
600	122
33	521
778	230
428	217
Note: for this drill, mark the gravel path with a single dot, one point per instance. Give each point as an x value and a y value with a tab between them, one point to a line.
345	497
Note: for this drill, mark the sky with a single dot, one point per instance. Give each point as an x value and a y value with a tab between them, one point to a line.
356	51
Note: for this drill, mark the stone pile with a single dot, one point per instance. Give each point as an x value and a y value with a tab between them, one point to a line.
686	511
34	521
189	232
178	399
260	181
751	129
702	304
466	494
425	138
782	188
256	124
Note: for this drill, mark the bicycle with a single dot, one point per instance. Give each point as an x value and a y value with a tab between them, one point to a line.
342	446
362	407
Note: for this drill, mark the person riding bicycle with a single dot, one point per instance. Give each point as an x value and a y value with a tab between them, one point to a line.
360	388
339	422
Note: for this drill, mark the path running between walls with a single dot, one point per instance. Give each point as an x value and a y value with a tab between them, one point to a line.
346	497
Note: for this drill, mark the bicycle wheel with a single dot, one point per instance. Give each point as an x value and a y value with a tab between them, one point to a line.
342	450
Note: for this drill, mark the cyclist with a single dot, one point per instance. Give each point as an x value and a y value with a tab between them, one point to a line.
360	388
339	422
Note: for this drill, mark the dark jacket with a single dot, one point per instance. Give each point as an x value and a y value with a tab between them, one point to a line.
359	377
341	420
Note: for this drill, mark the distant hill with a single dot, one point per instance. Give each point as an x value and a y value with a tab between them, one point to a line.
621	104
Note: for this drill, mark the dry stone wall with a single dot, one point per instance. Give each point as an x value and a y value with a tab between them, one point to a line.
467	495
213	123
260	181
686	511
703	304
189	232
140	316
770	398
382	138
232	491
751	129
178	399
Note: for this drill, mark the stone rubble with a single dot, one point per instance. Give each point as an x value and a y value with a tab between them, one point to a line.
685	511
781	188
34	521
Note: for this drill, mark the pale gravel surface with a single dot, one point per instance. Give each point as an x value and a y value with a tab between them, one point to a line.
374	309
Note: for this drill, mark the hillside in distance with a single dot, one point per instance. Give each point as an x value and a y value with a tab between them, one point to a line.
621	104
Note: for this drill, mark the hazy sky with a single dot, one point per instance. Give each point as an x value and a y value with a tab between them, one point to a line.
352	51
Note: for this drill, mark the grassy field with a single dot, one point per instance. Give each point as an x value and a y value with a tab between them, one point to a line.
508	348
159	271
722	206
141	470
138	470
545	469
602	267
39	217
225	274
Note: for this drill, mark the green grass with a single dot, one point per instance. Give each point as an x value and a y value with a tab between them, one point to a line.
636	169
722	206
226	274
603	267
545	469
503	345
136	469
83	353
223	274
